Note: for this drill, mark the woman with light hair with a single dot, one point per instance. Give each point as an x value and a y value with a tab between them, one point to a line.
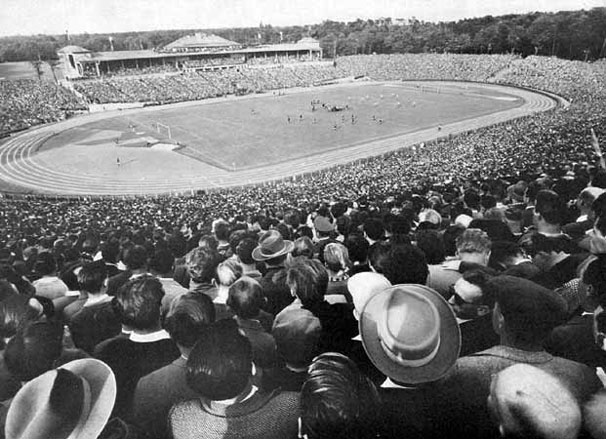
226	274
337	263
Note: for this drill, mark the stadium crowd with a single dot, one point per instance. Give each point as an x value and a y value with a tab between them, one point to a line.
276	310
26	103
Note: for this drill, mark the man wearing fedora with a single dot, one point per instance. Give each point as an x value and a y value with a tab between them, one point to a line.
74	401
411	335
524	315
273	250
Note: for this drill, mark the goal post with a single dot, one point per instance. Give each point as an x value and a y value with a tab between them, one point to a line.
163	129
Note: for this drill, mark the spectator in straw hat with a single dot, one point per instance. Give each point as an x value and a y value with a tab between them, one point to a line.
74	401
528	402
524	315
415	353
273	250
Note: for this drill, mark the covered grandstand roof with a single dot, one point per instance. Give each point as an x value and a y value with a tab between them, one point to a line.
200	40
73	49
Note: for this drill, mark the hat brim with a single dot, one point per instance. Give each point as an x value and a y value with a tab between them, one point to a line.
102	384
257	255
450	338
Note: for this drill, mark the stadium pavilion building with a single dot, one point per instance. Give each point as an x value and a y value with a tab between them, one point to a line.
193	52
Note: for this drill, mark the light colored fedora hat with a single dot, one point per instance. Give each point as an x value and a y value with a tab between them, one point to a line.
74	401
410	333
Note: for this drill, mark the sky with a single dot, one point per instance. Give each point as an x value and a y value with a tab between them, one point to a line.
27	17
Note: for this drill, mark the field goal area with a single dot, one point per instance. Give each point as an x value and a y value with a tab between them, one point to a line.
163	130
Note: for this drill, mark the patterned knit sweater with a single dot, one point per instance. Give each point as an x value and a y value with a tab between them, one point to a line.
262	416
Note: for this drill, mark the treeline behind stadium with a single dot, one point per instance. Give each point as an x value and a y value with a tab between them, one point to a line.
579	35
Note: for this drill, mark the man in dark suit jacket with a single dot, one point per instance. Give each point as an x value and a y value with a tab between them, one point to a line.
524	314
148	347
135	259
473	303
157	392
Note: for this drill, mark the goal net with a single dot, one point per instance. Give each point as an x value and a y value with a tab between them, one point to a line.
163	130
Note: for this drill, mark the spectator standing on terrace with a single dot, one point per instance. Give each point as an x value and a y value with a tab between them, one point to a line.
227	273
245	300
244	252
324	227
526	401
336	261
358	247
48	284
550	213
473	248
308	280
338	401
472	302
374	230
97	320
135	259
147	348
201	263
221	231
157	392
524	315
273	251
415	354
220	370
584	222
161	265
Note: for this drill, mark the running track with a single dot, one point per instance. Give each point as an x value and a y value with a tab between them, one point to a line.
19	165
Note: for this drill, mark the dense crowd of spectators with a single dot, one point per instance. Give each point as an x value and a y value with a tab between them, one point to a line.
25	103
268	311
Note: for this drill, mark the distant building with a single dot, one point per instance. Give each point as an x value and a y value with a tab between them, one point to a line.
193	52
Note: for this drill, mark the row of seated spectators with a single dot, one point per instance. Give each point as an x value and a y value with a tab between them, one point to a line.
270	60
25	103
201	84
284	323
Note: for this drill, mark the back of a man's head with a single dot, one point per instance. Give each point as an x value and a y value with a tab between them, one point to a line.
91	276
162	261
338	401
245	297
138	302
505	254
406	264
135	257
374	229
528	402
34	349
221	230
188	316
308	280
473	241
529	311
220	364
357	247
201	263
550	207
244	250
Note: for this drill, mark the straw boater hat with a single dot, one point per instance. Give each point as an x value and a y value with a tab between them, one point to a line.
271	245
410	333
74	401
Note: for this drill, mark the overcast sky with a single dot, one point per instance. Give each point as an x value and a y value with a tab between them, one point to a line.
26	17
